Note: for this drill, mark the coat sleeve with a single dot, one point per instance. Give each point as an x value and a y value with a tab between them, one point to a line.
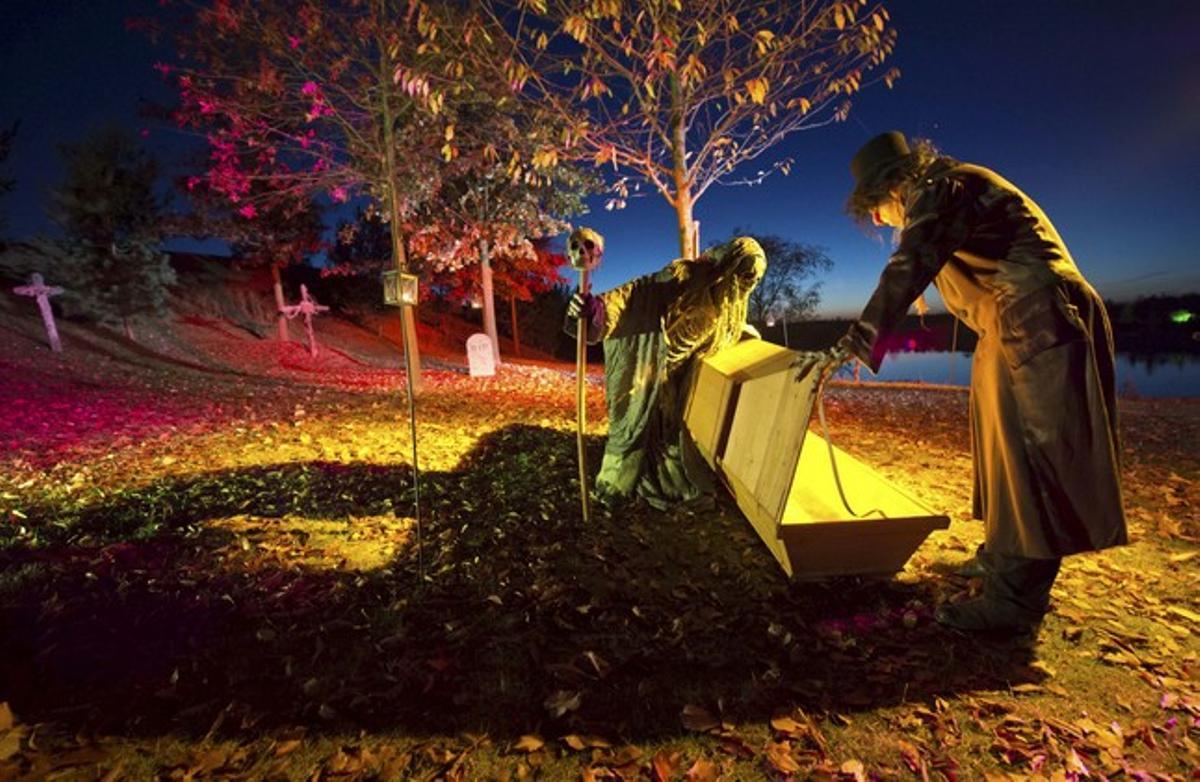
937	224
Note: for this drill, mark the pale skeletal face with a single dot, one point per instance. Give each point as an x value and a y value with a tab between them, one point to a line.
585	248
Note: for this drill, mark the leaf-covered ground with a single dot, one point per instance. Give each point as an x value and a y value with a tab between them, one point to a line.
215	575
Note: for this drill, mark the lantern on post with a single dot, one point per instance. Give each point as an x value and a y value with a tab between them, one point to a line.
401	289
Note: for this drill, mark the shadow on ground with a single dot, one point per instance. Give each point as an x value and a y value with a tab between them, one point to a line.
144	617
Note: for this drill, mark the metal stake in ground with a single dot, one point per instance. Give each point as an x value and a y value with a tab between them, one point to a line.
585	248
401	289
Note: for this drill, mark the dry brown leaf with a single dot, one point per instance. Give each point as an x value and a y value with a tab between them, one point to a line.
529	743
786	725
855	769
698	719
664	765
1184	613
6	717
911	756
779	755
10	742
285	747
702	771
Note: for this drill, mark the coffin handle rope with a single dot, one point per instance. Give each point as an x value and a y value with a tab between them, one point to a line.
837	478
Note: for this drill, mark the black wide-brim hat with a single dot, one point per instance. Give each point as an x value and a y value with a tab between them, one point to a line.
877	158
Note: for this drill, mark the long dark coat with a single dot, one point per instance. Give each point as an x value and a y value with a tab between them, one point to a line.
1043	402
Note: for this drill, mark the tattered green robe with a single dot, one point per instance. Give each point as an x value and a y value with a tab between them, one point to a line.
1043	401
655	329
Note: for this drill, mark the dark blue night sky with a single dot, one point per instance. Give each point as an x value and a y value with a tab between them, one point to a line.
1093	108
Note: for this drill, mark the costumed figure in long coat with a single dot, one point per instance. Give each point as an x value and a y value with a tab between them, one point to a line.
1043	402
655	331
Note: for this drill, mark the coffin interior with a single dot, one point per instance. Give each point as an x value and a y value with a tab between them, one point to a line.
750	420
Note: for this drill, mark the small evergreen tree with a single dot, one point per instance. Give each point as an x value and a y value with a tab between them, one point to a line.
107	206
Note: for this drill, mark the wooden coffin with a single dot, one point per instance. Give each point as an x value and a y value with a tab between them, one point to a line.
749	418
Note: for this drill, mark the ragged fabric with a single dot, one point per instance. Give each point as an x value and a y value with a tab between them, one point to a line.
655	331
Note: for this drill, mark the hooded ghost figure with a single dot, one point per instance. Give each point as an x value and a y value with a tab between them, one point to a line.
656	329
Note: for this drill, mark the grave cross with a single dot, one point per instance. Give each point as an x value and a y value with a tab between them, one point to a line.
307	307
37	287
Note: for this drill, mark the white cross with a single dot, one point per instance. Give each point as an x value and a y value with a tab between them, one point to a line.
37	287
307	307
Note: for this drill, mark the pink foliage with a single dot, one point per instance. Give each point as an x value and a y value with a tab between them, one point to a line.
248	211
339	195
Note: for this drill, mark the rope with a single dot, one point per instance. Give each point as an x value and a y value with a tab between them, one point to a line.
837	478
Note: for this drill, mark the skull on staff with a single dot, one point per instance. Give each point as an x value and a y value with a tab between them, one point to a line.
585	249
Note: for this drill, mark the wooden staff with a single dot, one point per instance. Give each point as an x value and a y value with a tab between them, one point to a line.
581	393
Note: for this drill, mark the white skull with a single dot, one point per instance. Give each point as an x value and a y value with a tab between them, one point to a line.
585	248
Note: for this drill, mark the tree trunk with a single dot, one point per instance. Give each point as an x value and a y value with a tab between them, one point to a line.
489	299
512	307
280	318
408	320
683	188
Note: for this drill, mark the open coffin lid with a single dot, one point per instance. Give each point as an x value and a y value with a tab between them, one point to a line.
749	418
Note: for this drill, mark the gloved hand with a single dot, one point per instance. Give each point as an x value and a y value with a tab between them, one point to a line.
580	306
838	355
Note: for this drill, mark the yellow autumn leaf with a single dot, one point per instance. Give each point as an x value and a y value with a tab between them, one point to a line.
449	134
757	89
763	40
576	27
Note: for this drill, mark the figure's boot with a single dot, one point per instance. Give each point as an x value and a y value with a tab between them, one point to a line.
1016	595
975	567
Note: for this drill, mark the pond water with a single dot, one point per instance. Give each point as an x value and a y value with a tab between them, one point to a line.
1159	375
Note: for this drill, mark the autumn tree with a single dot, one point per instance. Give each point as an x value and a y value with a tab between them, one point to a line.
111	214
350	98
340	99
681	96
519	273
489	205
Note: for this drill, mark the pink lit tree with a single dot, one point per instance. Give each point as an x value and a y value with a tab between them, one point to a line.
361	98
338	100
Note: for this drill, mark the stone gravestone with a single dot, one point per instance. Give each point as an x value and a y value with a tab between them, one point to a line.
480	356
39	289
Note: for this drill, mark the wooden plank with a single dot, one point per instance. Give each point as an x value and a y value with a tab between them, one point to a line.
707	410
762	521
